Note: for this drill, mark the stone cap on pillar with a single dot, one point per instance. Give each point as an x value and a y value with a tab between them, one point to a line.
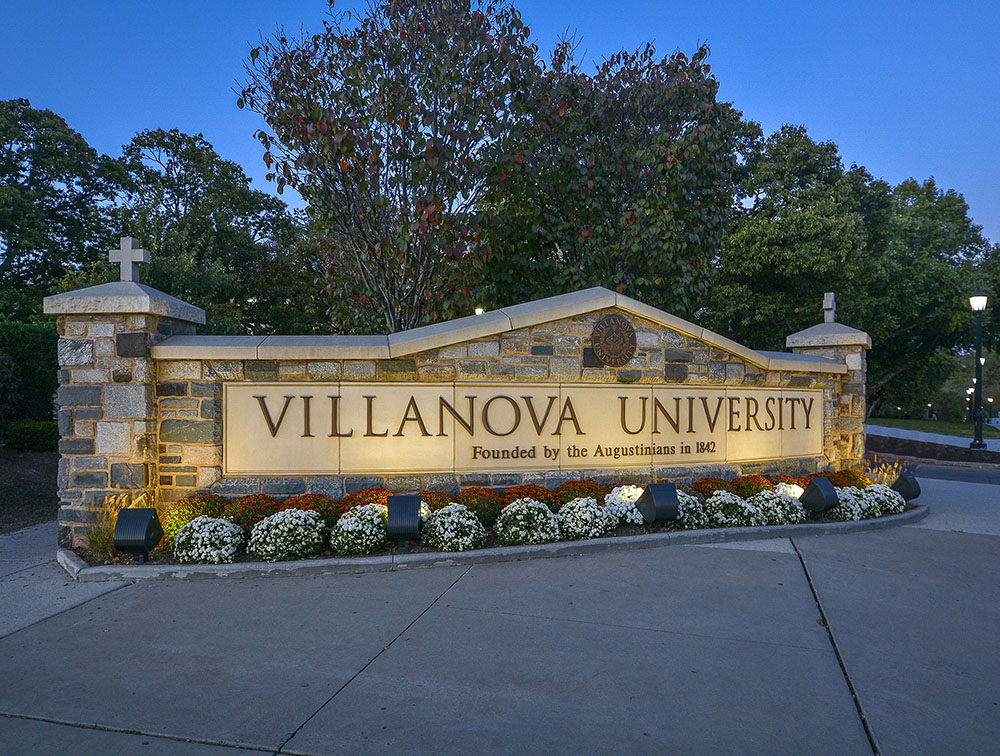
827	335
124	297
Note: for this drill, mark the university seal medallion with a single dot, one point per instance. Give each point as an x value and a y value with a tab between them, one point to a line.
613	340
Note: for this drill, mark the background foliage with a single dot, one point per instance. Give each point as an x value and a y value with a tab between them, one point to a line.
446	165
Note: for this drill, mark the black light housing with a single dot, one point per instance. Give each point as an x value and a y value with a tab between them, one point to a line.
659	502
403	523
819	496
906	485
137	532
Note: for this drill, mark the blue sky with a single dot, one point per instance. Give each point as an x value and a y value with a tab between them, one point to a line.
903	88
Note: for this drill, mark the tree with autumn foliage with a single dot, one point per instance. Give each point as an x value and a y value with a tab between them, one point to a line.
621	178
386	124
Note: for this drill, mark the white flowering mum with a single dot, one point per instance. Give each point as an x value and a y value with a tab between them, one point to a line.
453	528
360	530
778	508
727	510
288	534
621	503
882	500
209	540
850	505
790	489
526	521
585	518
691	513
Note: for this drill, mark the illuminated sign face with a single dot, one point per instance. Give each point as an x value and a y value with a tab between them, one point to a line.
392	428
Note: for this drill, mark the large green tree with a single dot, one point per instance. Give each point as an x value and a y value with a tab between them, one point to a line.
56	197
899	260
386	124
216	242
621	178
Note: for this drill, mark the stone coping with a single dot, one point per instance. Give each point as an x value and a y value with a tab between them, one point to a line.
495	322
80	571
122	298
829	334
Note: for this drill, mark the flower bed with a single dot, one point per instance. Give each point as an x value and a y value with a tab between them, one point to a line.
207	528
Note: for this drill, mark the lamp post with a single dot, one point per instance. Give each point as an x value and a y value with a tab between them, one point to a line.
978	303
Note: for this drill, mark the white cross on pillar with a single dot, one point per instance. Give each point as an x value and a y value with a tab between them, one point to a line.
829	307
129	257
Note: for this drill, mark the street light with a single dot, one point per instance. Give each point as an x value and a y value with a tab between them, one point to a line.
978	303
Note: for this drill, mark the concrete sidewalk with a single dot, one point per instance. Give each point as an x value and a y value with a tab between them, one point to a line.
688	649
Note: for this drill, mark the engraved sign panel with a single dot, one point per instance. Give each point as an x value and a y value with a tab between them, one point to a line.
274	428
518	427
391	428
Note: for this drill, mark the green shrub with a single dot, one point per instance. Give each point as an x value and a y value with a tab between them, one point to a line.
33	435
32	349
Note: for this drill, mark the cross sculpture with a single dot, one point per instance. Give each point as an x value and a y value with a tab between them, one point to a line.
829	307
129	257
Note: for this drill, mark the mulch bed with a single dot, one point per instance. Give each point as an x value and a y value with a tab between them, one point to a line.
28	490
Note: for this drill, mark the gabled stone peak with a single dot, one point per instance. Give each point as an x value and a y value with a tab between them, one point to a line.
548	309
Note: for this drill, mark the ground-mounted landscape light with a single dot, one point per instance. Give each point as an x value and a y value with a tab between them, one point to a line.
906	485
819	496
658	502
403	523
137	532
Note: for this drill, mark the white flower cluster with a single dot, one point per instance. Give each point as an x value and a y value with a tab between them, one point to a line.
883	500
360	530
778	508
425	512
585	518
621	503
691	514
526	521
850	505
453	528
790	489
208	540
727	510
288	534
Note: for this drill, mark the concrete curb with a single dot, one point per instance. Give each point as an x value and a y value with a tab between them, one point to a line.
80	571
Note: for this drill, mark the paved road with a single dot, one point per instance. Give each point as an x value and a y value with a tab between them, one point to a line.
686	649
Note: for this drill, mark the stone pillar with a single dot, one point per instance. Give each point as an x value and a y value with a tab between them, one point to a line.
844	399
107	403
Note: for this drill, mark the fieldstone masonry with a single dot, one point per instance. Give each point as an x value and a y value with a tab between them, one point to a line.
108	413
141	396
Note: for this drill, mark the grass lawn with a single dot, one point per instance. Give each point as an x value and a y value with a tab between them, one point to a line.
966	430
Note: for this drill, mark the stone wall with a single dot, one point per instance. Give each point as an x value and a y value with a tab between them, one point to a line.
141	396
188	392
108	416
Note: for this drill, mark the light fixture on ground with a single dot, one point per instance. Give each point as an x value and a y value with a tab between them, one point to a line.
819	496
137	532
658	502
403	522
906	485
978	303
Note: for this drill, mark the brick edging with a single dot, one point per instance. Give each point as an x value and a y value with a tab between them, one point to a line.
80	571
